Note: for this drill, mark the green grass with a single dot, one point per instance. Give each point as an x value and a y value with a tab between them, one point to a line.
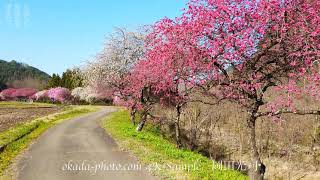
15	133
152	149
18	138
21	105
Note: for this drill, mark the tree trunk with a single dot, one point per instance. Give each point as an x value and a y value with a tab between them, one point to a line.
177	126
257	168
142	122
133	116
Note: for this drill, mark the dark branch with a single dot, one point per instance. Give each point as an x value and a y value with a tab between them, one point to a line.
297	112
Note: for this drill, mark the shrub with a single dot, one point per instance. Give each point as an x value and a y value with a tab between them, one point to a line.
7	94
88	95
24	93
1	97
59	94
15	94
41	96
80	93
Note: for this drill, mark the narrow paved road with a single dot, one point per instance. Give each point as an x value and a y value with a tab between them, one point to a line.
78	149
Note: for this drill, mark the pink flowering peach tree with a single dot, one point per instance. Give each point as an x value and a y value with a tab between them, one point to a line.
238	50
169	69
134	94
14	94
59	94
8	94
41	96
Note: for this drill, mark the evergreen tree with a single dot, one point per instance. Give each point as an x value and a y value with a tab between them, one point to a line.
55	81
70	79
2	86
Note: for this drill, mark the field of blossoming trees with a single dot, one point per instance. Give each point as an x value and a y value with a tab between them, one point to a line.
258	59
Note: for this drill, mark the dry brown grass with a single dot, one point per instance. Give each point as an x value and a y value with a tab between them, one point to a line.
289	147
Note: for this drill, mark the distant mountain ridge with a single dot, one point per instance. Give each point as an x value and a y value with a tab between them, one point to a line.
20	75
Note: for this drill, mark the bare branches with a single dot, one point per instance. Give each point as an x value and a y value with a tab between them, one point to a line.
204	102
296	112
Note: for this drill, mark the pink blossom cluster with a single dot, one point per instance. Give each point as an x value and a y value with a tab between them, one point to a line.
231	50
59	94
238	48
41	95
14	94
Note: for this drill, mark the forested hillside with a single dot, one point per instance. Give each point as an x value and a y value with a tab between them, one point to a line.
18	75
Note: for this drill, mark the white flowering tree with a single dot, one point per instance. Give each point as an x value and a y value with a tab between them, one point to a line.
81	93
121	52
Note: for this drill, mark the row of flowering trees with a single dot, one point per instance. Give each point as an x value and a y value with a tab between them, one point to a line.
58	94
11	93
231	50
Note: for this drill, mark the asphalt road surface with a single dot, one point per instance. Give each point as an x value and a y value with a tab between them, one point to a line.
79	149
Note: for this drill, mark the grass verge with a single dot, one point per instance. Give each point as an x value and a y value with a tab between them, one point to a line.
18	138
22	105
162	156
